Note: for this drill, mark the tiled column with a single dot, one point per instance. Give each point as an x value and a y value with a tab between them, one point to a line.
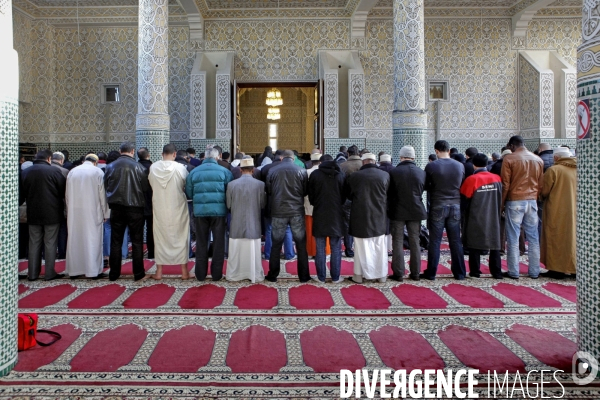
409	117
588	183
152	121
9	190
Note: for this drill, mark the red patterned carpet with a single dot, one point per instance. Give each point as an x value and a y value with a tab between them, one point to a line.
186	339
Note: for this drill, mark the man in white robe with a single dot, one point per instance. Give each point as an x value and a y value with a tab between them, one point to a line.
87	210
170	212
245	198
367	188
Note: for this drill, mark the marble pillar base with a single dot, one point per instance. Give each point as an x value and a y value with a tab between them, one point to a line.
415	137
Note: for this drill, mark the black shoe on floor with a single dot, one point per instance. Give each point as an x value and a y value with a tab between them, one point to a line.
414	278
553	275
353	281
423	276
22	277
57	276
100	276
396	278
76	276
31	280
497	277
475	275
506	275
349	254
268	278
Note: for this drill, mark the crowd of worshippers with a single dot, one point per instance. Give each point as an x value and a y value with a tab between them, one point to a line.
514	204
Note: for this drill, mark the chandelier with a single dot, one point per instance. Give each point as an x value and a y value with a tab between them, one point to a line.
273	113
274	98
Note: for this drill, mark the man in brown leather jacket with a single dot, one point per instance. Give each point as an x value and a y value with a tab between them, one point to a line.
522	174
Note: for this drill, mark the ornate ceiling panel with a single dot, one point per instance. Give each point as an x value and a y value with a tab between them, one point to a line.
267	4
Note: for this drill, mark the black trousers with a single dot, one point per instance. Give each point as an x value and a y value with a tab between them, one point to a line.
23	240
475	262
62	240
120	219
204	227
149	235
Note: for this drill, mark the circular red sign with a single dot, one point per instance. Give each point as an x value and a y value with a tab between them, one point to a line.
583	120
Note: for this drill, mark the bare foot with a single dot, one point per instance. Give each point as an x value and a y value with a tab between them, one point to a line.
185	277
156	277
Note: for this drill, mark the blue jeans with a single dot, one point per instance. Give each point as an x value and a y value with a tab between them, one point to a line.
106	242
522	212
321	258
279	228
288	243
448	217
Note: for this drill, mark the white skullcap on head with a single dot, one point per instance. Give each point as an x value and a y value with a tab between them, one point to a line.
369	156
247	162
385	158
315	156
505	152
562	152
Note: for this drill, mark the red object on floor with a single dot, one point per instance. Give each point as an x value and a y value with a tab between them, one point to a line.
365	298
292	267
150	296
177	350
256	349
347	268
256	297
526	295
176	269
109	349
265	265
472	296
441	269
564	291
97	297
202	297
22	288
46	296
444	246
405	349
37	356
419	297
310	297
549	347
326	349
523	268
480	350
127	268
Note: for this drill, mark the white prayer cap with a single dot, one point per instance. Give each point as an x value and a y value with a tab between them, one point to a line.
315	156
369	156
385	158
505	152
562	152
407	152
247	162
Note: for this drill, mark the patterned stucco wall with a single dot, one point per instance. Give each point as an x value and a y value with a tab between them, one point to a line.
529	95
473	55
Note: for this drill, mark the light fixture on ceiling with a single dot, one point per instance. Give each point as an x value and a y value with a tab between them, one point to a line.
274	98
273	113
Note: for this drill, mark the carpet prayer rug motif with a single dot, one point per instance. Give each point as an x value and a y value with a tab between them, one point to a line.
190	339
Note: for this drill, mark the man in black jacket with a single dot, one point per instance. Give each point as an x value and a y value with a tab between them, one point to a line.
287	185
326	194
546	153
144	159
470	153
44	191
367	188
483	194
125	182
405	204
288	243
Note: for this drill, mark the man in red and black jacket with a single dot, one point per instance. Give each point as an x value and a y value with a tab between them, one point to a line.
482	193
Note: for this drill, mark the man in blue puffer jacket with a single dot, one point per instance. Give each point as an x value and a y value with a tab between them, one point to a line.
206	186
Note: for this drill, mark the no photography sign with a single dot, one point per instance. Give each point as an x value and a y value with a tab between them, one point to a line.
583	120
